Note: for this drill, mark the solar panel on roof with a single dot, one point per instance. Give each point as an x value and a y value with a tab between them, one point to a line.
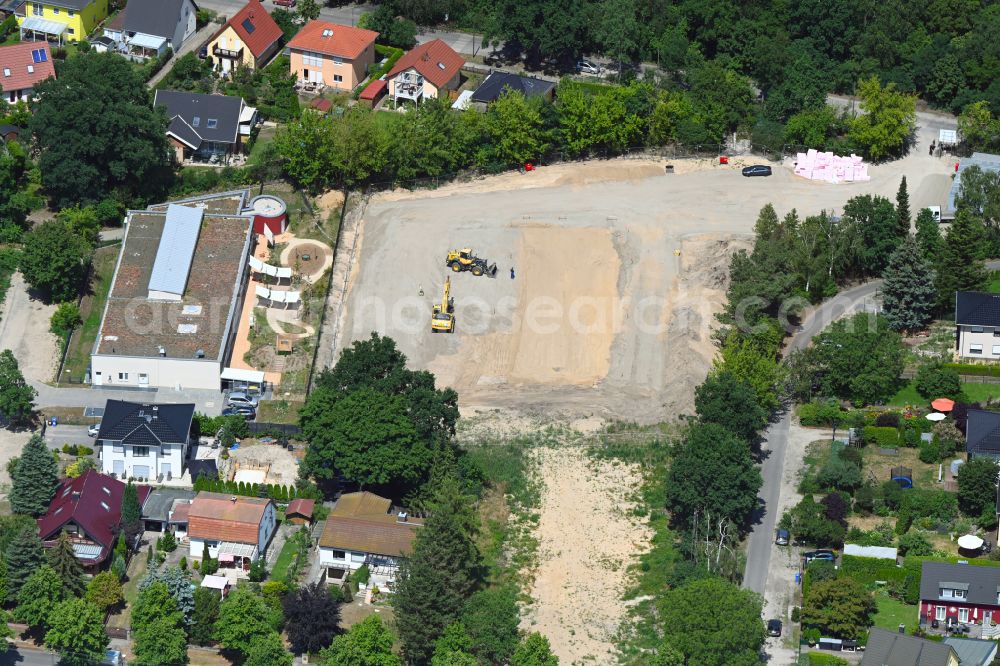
248	25
39	55
175	251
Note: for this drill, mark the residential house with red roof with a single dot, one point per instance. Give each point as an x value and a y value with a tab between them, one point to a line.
331	55
425	72
365	529
22	67
236	529
89	509
248	39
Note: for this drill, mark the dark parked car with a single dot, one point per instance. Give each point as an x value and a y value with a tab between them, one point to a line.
247	412
203	52
757	170
782	537
773	627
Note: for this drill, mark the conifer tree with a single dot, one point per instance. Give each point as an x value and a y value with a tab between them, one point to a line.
23	556
35	479
909	294
929	235
131	520
960	268
63	561
443	571
903	208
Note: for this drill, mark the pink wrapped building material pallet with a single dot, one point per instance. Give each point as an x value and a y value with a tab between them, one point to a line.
831	168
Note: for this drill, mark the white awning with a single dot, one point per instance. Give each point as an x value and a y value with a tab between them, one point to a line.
35	24
86	551
248	117
148	41
215	582
242	375
238	549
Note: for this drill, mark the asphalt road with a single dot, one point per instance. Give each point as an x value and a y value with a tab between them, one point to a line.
16	656
761	539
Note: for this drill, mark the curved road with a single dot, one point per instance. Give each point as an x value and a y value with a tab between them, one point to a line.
761	539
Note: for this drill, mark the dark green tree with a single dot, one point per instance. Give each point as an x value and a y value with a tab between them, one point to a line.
876	226
178	583
63	561
929	235
206	612
979	193
713	477
724	400
491	620
131	520
903	208
76	632
36	479
3	580
859	359
713	623
55	260
105	590
97	131
161	641
17	397
841	608
977	486
934	380
960	267
908	293
23	556
243	617
268	650
313	618
441	574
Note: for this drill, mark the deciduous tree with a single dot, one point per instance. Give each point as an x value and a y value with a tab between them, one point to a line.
516	129
268	650
36	479
859	359
76	632
17	397
368	643
731	403
37	597
98	132
712	622
491	620
888	119
161	641
534	650
55	260
936	381
977	486
104	590
873	222
713	476
841	608
312	616
244	617
178	583
206	612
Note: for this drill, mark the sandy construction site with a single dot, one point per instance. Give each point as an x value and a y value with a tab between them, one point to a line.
619	270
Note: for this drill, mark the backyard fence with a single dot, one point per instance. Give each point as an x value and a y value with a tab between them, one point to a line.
286	429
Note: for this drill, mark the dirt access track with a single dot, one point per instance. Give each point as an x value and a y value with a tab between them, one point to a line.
619	270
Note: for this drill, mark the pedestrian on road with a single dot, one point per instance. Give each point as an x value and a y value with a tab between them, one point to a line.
511	272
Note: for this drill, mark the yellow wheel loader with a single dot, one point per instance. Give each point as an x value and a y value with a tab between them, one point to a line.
443	318
464	260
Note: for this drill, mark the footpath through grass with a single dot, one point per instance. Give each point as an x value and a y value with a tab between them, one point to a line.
91	311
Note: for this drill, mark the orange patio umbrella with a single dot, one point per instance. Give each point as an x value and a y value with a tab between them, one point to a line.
943	404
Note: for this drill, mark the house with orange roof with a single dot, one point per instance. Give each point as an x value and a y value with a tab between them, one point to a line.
237	530
425	72
248	39
331	55
22	67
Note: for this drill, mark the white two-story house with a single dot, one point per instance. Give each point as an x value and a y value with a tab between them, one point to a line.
364	529
144	441
977	324
237	530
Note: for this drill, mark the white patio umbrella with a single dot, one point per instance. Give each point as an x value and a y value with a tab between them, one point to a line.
935	416
970	542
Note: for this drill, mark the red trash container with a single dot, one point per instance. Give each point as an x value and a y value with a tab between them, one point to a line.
528	166
723	159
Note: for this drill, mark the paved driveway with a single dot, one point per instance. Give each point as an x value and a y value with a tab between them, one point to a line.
56	436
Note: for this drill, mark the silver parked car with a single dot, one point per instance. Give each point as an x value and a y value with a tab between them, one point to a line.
241	398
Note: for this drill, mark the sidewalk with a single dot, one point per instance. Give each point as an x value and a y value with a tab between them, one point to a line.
194	42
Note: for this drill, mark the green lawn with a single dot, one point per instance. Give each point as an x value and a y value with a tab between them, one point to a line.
388	119
264	137
892	613
279	411
91	311
994	286
284	560
974	392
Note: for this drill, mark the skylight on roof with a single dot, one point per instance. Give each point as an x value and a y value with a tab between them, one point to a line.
187	328
39	55
212	123
248	25
328	33
106	507
31	69
196	121
6	71
106	490
191	310
440	65
67	491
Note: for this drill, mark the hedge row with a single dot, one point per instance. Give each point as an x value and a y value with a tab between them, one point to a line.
883	437
974	369
392	53
273	491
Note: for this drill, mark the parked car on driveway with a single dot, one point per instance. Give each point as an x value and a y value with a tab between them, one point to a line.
757	170
93	429
241	398
246	411
781	537
285	3
588	67
821	554
774	627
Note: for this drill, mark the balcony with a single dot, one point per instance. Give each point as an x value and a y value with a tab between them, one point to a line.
227	53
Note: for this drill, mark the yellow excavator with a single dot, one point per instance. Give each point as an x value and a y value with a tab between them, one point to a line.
464	260
443	319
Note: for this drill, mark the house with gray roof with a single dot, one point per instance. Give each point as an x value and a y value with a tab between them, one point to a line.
977	324
149	28
206	128
164	509
886	648
958	594
982	434
145	441
497	83
972	651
